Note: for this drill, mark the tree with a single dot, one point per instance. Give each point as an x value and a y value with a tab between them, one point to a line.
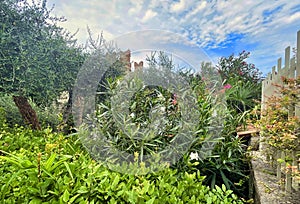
38	59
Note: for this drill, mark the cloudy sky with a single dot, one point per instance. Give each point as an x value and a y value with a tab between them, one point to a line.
213	28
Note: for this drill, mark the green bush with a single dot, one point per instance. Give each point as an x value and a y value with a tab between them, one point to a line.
46	167
242	81
48	116
225	163
10	110
2	117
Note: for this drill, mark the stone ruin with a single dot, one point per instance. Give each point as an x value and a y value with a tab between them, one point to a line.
126	58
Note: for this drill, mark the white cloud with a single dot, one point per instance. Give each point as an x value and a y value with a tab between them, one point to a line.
292	18
178	6
206	23
137	7
148	15
199	8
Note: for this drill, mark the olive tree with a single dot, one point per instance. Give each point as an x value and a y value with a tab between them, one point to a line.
38	58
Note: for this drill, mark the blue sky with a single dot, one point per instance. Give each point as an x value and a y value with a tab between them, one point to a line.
215	27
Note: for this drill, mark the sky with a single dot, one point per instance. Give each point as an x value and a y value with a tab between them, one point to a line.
194	30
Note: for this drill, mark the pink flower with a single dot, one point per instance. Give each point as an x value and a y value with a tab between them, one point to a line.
227	86
174	101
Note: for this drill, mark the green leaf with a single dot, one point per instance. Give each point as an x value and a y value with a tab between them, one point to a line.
82	190
218	189
225	179
66	196
223	187
53	192
73	198
27	164
69	170
115	182
35	201
14	161
151	201
55	165
50	161
209	200
33	190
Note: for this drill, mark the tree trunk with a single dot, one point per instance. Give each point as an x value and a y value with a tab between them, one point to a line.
68	120
27	112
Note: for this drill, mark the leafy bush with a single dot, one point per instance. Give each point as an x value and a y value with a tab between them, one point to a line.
242	81
236	68
48	116
280	127
143	101
226	162
146	106
242	96
41	166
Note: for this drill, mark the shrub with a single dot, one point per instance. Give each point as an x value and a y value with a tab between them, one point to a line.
48	116
226	162
48	167
280	128
279	125
242	81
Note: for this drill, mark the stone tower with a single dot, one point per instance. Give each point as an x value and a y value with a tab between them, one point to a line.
138	66
125	58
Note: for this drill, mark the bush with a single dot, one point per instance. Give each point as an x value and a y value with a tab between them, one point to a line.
2	117
225	163
41	166
48	116
280	126
242	82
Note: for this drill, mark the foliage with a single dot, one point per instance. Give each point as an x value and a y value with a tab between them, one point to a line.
48	116
278	124
133	135
160	60
242	81
38	59
108	53
42	166
225	163
236	68
144	101
242	96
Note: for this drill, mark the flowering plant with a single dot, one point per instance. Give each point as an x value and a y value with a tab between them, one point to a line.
242	82
278	123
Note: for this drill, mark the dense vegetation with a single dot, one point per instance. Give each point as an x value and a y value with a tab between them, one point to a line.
42	166
40	163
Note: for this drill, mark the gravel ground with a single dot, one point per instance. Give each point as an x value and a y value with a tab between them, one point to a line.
268	189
